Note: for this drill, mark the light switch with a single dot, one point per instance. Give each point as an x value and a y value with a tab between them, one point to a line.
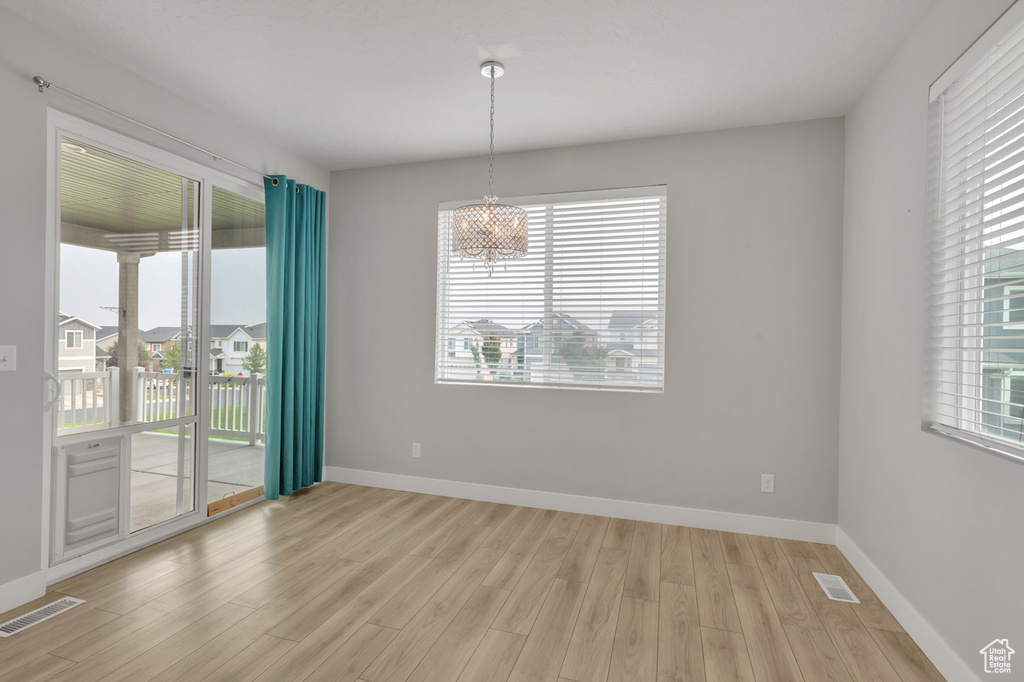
8	357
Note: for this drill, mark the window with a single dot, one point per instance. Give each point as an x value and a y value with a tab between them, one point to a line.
978	242
1013	307
241	346
156	347
594	275
73	339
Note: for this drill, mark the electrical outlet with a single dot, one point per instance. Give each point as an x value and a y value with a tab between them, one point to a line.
415	449
767	483
8	358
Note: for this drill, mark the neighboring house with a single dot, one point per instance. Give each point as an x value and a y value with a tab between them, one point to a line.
155	339
527	360
231	343
626	351
102	359
76	343
633	346
106	337
469	335
158	339
1002	359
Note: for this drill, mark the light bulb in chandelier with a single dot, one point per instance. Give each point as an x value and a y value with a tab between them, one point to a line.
490	231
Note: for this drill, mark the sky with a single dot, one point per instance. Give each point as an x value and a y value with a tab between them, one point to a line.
88	283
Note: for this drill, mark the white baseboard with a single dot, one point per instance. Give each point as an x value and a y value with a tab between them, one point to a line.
790	529
22	590
934	646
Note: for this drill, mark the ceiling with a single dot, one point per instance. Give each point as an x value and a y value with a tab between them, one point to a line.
112	203
358	83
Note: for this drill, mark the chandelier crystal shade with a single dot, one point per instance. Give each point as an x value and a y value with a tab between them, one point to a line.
490	231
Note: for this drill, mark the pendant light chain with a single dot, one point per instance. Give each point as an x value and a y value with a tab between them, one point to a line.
490	231
490	165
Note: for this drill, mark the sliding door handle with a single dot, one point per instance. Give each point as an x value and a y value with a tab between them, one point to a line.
56	391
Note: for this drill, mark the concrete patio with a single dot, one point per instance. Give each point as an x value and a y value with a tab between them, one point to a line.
233	467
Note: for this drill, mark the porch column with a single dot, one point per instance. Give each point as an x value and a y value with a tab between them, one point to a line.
127	332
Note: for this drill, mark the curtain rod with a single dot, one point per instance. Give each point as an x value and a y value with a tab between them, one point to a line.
45	84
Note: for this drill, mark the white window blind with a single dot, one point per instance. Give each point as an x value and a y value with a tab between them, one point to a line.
584	309
978	256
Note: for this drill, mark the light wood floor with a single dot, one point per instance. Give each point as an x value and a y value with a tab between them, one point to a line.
348	583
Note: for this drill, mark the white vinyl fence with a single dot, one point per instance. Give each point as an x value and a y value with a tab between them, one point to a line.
90	401
84	399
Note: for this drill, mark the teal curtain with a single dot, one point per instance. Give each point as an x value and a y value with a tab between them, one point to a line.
295	336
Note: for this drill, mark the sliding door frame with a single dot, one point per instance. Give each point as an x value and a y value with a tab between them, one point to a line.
61	124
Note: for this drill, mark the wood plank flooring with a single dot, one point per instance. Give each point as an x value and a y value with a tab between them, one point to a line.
348	583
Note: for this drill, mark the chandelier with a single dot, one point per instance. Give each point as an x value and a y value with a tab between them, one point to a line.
490	230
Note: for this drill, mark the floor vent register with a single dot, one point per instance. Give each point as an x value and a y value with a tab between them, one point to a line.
13	627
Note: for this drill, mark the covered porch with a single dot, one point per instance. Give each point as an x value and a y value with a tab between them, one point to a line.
233	466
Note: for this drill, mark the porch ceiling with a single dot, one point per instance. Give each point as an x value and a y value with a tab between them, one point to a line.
113	203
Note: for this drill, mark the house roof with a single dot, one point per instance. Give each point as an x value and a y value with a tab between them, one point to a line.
65	318
223	331
258	331
490	327
628	319
159	334
165	334
571	321
561	320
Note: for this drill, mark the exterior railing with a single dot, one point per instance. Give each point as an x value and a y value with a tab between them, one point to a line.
90	402
237	406
84	400
156	395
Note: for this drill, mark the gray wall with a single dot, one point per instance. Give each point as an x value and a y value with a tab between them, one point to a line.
26	51
941	520
754	239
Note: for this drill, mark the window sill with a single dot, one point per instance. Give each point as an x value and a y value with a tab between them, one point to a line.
1006	451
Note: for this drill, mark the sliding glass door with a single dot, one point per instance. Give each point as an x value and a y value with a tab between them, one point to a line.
238	350
159	350
127	317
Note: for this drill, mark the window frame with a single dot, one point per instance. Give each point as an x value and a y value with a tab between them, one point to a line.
68	334
974	359
649	378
